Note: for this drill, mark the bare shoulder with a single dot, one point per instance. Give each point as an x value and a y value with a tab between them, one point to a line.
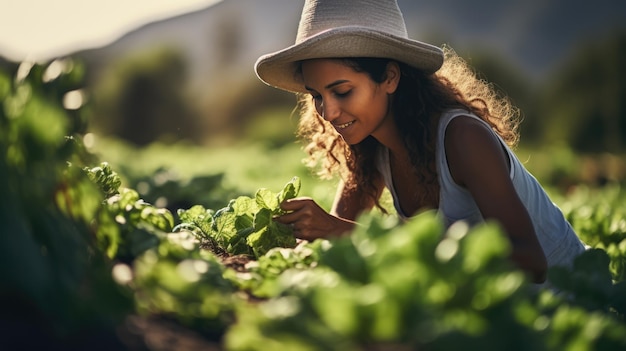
473	149
464	129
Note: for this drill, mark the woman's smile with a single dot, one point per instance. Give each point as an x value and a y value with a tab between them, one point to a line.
343	125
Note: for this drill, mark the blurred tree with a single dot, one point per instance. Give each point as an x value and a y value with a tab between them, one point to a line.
143	99
230	39
240	106
585	104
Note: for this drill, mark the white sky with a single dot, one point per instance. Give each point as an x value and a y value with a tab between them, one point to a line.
42	29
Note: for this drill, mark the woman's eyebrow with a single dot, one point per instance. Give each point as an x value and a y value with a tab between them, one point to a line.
335	83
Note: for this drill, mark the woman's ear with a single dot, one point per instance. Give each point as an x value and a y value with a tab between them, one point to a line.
392	77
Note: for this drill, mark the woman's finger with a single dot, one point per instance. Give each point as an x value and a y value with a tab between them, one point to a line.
296	203
287	218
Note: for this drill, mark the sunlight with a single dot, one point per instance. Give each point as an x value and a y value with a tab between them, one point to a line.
73	100
41	29
122	273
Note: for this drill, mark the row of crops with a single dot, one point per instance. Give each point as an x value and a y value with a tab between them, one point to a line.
88	263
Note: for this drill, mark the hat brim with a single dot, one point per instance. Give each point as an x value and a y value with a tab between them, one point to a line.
278	69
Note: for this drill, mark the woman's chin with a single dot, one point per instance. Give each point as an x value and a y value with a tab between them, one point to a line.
351	140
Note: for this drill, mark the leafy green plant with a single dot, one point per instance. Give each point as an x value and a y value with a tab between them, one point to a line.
598	216
261	276
245	225
400	286
177	280
57	284
125	224
79	254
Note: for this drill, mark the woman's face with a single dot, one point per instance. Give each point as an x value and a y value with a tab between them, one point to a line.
351	101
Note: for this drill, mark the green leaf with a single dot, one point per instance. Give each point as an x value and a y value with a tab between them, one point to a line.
260	241
107	179
266	199
290	190
282	235
344	258
238	244
262	219
224	227
268	237
160	218
244	205
479	255
197	218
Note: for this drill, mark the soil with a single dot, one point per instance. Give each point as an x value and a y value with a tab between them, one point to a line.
153	333
236	262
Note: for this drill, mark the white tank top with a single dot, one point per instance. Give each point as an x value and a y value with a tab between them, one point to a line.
556	236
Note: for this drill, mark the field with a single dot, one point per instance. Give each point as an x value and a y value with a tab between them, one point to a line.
172	247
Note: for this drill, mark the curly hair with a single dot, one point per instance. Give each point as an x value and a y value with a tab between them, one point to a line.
417	104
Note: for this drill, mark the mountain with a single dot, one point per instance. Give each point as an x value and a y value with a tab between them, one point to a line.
221	43
536	35
226	37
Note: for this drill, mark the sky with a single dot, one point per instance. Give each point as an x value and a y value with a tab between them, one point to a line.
41	29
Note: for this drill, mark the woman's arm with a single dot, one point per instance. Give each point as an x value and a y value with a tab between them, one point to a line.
349	204
310	221
477	162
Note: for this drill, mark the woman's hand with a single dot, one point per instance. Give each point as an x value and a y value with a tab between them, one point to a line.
309	221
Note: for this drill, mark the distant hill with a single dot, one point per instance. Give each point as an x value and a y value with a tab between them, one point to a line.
222	42
535	34
226	37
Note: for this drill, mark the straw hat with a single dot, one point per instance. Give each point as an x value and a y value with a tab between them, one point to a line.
346	28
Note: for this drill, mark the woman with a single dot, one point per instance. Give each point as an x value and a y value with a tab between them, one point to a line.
385	111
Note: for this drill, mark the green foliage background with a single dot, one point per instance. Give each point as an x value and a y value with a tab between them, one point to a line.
91	258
